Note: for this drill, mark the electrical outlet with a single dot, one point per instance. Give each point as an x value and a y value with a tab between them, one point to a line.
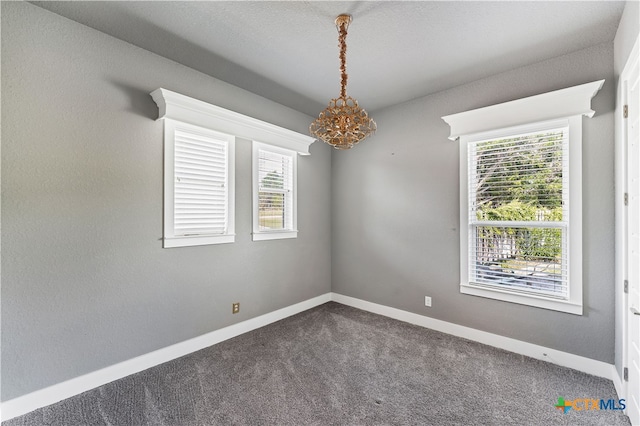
427	301
235	308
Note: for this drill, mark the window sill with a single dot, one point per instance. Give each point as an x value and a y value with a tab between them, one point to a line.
274	235
530	300
198	240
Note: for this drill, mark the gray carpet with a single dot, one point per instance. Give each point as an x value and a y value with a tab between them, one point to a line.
335	365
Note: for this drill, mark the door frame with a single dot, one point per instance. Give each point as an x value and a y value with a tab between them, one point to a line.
621	217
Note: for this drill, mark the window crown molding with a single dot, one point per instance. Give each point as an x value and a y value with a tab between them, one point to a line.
189	110
568	102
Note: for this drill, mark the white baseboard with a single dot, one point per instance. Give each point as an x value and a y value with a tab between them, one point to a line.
565	359
52	394
617	382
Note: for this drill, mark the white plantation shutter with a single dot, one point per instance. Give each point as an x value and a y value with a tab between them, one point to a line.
518	213
201	184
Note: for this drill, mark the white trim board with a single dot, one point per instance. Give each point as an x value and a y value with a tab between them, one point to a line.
565	359
193	111
55	393
617	383
554	105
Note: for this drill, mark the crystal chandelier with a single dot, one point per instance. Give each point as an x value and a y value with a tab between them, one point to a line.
343	123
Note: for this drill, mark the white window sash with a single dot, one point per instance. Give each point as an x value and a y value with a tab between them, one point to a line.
290	195
573	229
554	286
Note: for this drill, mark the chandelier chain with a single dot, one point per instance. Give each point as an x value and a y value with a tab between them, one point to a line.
342	40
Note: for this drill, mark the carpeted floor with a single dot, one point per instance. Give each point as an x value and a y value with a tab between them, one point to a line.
336	365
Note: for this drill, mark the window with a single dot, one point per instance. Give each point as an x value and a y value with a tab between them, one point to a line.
520	199
199	190
274	192
518	211
199	186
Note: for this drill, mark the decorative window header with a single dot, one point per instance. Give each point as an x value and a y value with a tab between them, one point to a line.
188	110
562	103
520	240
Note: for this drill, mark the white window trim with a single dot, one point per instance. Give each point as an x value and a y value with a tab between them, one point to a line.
574	230
562	103
259	235
188	110
520	116
170	239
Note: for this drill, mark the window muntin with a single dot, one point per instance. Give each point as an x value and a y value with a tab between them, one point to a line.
275	172
518	213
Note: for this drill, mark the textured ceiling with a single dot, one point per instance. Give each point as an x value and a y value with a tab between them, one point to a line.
287	51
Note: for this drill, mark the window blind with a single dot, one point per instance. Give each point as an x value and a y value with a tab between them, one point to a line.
275	191
518	213
201	184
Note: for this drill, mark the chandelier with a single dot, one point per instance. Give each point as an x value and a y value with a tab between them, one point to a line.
343	123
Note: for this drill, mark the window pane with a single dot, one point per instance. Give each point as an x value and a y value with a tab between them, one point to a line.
529	259
271	211
274	171
519	178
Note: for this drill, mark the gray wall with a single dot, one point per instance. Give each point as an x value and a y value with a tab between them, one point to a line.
626	36
395	211
85	282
